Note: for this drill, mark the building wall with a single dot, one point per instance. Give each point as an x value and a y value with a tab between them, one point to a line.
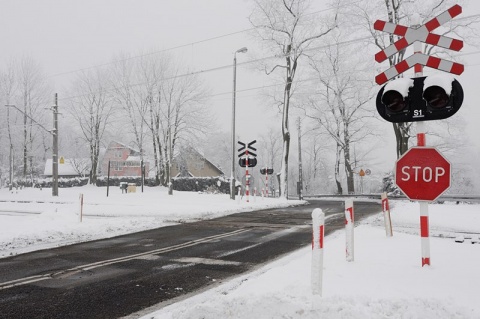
198	167
118	154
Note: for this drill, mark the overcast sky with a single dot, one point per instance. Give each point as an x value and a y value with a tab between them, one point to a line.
67	35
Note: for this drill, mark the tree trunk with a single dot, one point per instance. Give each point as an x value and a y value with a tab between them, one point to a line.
401	135
25	134
337	170
349	170
285	131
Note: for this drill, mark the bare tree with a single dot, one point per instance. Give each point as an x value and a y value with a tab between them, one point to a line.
270	148
289	29
33	96
92	109
167	102
131	96
8	85
340	106
185	117
270	144
316	147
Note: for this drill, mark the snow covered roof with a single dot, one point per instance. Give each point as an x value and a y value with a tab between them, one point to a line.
122	145
74	166
134	158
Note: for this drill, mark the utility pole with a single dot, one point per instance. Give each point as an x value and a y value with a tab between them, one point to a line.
10	158
170	158
300	174
55	148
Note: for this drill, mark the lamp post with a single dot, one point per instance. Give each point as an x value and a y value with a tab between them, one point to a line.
10	158
54	133
232	178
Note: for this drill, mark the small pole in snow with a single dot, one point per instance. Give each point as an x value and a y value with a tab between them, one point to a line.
318	225
349	224
108	177
80	215
386	215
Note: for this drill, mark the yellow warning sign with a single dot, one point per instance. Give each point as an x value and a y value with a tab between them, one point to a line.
62	160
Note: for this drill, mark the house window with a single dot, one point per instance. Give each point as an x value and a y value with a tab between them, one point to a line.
118	154
116	165
132	163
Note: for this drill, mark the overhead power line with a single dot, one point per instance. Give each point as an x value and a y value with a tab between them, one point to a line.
148	54
183	45
220	67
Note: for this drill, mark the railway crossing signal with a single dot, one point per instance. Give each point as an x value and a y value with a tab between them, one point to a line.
422	34
252	161
419	99
247	157
266	170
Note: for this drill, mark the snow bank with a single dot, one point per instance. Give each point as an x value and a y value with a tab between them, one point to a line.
386	279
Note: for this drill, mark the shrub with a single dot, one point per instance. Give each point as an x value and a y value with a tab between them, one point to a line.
202	184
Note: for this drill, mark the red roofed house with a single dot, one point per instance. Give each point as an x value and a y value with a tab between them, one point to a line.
124	161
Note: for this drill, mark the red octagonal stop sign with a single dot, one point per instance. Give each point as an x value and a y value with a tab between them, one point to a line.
422	173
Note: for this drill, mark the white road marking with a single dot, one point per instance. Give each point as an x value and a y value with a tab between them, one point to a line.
31	279
207	261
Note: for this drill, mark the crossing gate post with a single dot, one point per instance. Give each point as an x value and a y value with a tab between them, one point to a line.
318	225
349	226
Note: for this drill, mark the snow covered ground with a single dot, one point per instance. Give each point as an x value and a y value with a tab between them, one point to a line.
386	279
31	219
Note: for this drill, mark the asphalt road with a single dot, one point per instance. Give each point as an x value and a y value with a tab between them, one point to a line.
121	276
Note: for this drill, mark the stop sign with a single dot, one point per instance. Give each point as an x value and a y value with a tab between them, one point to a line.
422	173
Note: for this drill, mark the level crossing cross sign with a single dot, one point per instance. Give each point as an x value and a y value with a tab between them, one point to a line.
423	34
422	173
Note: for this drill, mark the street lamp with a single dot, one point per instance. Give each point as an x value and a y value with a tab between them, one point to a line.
232	178
54	133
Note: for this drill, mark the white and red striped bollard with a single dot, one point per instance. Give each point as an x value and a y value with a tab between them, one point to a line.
318	230
386	215
254	194
263	192
349	225
424	233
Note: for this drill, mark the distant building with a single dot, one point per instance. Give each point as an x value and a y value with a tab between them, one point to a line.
124	161
190	163
68	167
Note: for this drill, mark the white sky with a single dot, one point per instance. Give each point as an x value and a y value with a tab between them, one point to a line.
66	35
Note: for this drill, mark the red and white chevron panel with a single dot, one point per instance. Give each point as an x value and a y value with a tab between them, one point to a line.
423	59
422	34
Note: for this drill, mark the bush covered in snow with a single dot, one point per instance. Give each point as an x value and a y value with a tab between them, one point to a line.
116	180
47	182
202	184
